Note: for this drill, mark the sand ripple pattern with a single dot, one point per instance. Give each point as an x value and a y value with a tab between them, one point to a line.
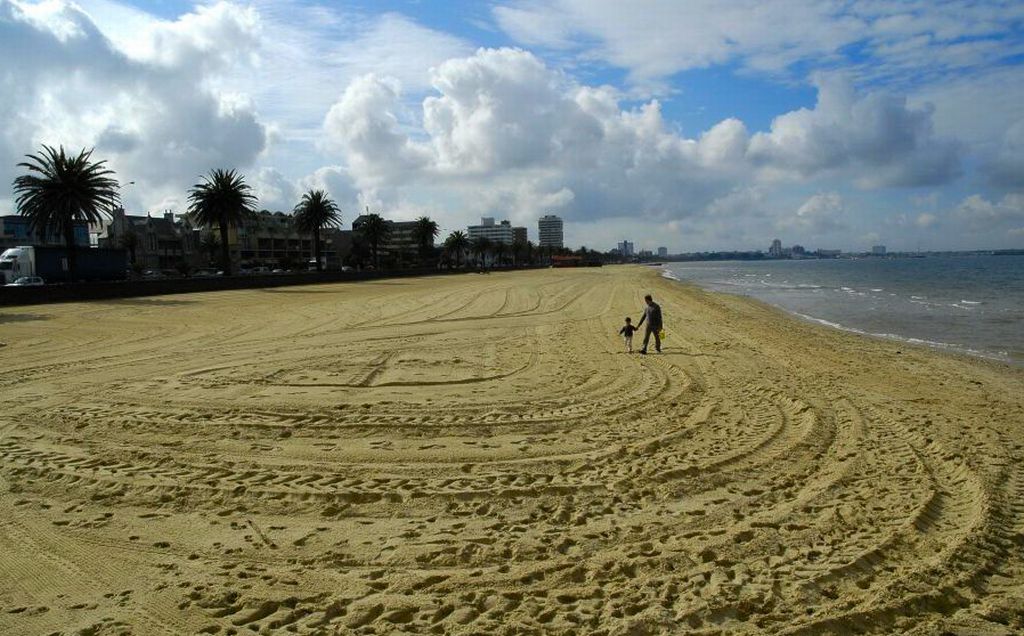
475	455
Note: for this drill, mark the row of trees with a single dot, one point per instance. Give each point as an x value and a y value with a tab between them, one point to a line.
61	190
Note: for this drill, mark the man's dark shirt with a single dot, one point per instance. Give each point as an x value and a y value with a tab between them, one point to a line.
652	314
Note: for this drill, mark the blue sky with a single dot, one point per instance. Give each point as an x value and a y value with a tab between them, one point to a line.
696	125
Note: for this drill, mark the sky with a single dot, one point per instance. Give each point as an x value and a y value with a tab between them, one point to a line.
692	124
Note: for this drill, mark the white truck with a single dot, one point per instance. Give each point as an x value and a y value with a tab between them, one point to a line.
51	263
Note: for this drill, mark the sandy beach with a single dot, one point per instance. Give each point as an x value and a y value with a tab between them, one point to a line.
477	454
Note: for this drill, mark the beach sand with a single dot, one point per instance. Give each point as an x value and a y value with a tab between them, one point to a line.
478	455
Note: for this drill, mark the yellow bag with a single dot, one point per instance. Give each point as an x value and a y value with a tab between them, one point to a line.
661	334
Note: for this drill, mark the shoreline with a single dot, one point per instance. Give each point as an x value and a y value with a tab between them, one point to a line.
479	455
951	348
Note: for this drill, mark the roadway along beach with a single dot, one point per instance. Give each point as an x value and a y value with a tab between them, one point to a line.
477	454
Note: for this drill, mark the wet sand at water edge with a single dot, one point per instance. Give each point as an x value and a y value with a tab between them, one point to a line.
477	455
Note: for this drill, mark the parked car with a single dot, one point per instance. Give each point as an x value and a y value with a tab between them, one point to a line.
207	273
152	274
260	269
27	281
279	270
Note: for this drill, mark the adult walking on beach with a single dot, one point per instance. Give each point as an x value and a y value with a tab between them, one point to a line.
652	315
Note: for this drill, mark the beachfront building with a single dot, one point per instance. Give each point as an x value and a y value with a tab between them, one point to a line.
878	250
626	249
662	252
551	231
775	251
14	231
153	242
494	232
269	239
401	241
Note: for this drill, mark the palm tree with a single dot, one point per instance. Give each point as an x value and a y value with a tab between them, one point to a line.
424	233
316	210
61	191
376	230
456	243
518	247
222	200
480	246
209	243
500	249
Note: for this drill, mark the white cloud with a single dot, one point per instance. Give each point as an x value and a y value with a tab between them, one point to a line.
338	183
926	220
875	131
274	191
982	214
507	134
363	124
157	118
506	130
653	39
821	213
657	39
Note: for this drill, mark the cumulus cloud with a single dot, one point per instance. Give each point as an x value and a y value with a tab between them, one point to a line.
274	191
508	129
153	113
876	132
819	214
740	202
363	124
510	135
983	214
926	220
338	183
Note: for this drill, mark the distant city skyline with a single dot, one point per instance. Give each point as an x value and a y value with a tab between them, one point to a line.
687	125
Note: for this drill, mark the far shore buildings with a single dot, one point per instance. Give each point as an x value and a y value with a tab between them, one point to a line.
626	249
551	232
662	252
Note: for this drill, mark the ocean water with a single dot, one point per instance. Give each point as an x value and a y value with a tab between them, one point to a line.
969	304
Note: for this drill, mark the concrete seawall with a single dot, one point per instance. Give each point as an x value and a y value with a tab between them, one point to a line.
15	296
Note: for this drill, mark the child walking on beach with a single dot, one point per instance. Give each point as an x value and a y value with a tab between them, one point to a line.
627	334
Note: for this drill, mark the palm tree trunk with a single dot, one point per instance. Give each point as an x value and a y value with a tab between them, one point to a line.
225	252
316	248
69	241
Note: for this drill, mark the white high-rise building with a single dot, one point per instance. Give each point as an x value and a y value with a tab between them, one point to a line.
550	227
626	248
495	232
775	251
662	252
